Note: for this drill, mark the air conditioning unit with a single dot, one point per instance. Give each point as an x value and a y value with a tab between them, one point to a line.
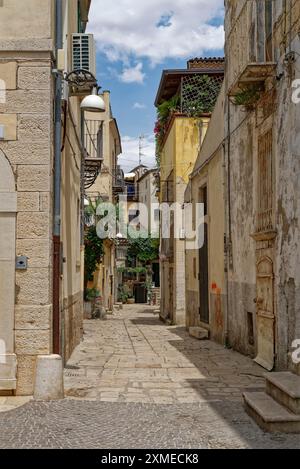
84	52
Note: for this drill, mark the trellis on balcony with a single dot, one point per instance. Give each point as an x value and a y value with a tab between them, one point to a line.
199	94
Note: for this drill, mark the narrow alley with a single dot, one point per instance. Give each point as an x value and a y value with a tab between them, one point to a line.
134	382
134	357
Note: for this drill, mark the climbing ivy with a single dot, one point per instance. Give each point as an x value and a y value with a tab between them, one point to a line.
93	252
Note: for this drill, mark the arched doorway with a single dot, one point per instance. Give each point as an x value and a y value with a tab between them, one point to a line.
8	209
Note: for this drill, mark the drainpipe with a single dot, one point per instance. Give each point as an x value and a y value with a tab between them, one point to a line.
57	189
229	236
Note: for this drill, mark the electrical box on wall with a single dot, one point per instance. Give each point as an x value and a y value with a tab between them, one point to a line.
1	132
21	263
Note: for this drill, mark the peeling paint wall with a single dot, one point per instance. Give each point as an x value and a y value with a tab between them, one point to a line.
278	112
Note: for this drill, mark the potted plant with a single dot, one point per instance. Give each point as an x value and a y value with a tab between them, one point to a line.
123	295
130	299
91	296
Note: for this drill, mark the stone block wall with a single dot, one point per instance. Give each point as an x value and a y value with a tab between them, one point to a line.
27	115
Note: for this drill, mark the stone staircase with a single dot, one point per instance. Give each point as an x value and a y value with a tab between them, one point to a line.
277	409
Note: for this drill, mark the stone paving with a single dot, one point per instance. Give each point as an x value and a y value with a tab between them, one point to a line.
133	357
105	425
137	383
10	402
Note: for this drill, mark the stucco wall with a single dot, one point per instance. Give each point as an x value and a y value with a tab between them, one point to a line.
177	161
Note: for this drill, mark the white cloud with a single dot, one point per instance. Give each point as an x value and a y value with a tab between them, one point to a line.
130	156
139	106
156	29
133	74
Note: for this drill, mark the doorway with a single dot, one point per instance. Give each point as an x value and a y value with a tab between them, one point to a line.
203	279
265	318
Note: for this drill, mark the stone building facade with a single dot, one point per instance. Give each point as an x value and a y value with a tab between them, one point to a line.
183	136
262	157
106	188
27	59
206	292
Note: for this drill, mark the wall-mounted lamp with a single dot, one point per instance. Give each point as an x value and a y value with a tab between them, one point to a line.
82	79
93	102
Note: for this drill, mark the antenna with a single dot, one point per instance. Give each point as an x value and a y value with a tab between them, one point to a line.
141	141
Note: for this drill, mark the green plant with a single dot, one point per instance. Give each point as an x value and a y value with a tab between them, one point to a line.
123	295
199	95
164	112
93	252
143	249
93	244
92	294
165	109
248	96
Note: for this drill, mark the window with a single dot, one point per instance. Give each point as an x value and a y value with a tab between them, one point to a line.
250	328
203	199
265	31
132	215
265	182
269	30
157	215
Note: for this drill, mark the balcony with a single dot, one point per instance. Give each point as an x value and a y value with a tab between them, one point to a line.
118	180
93	146
132	194
191	93
249	49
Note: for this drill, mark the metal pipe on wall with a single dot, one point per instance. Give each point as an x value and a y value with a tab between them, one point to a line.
57	188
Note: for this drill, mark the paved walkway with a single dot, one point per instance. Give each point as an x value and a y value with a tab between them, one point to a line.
137	383
133	357
10	402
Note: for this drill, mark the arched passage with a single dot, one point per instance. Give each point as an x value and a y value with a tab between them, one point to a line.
8	209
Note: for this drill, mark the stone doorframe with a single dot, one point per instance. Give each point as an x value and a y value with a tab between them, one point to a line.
8	210
266	332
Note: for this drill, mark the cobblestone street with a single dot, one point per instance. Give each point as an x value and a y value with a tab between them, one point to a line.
137	383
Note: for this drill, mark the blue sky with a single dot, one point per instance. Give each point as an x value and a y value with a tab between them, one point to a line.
135	42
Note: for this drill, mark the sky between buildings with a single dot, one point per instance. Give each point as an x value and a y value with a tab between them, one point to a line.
136	40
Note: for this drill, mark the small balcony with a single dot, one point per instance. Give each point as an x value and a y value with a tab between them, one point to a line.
118	180
93	146
253	75
132	194
249	48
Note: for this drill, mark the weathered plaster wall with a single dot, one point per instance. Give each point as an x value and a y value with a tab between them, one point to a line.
245	129
288	216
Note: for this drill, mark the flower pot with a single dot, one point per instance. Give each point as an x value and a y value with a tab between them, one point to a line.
131	301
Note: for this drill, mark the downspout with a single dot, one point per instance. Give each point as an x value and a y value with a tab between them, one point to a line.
57	189
229	236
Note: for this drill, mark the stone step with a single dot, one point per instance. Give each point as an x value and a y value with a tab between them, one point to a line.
284	387
199	333
269	415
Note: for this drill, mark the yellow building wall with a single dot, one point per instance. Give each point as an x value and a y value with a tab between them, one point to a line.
178	157
212	176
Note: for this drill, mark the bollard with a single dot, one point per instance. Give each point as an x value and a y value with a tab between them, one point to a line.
49	384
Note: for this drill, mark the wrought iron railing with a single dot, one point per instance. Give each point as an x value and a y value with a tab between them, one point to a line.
93	145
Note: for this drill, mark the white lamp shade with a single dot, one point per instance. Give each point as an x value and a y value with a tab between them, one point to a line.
93	103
